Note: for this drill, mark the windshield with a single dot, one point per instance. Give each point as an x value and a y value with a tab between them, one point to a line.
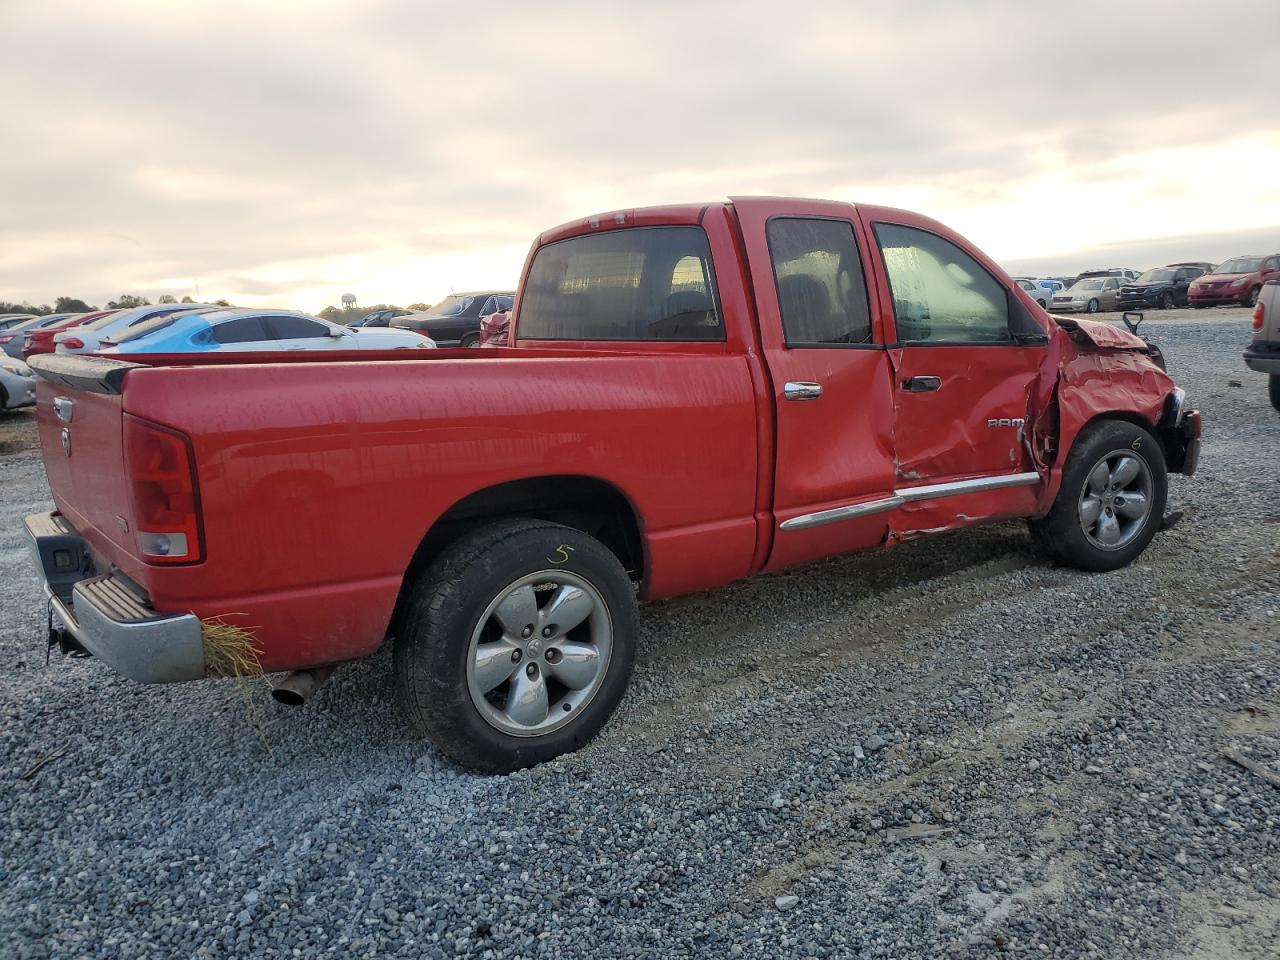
1088	285
152	324
450	307
1240	265
1156	276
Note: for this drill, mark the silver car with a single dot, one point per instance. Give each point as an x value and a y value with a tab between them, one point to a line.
1088	296
17	385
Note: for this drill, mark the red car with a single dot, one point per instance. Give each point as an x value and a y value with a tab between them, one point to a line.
1236	281
40	340
692	394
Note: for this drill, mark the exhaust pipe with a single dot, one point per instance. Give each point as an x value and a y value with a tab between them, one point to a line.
297	687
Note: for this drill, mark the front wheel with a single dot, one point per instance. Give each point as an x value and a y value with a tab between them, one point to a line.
1093	306
1273	388
1252	299
516	645
1114	488
1166	302
470	340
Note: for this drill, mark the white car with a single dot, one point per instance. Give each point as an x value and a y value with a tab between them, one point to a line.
17	384
88	338
237	329
1041	291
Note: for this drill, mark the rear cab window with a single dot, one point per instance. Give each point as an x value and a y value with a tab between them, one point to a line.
639	283
822	294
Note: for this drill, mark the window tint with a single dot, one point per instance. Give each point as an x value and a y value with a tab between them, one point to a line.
242	330
294	328
940	293
821	292
642	283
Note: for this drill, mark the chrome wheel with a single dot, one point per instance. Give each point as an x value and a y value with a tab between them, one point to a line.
539	653
1116	501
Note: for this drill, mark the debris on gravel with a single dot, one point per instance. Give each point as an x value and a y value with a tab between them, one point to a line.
950	749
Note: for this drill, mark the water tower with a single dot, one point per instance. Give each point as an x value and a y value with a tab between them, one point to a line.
348	301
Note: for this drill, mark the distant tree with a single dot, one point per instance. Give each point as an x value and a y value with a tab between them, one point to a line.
71	305
24	307
166	298
222	303
332	314
419	306
187	300
128	301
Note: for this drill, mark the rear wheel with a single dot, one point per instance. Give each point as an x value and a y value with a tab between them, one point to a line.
1273	388
516	645
470	340
1114	488
1166	301
1093	306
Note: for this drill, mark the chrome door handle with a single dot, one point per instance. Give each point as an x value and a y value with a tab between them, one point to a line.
922	384
802	390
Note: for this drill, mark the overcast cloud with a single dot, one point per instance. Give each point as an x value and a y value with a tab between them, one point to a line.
287	152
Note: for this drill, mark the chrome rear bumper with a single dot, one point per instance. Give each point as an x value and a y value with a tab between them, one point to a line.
106	616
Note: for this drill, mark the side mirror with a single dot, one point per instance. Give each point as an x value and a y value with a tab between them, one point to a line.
337	332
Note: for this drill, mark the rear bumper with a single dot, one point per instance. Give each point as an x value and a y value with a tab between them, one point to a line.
1263	356
106	616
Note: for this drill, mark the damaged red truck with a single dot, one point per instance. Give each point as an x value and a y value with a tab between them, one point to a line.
693	394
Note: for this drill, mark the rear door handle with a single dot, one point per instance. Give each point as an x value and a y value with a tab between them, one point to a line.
922	384
802	390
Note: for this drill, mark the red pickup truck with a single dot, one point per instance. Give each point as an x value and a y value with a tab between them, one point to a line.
692	394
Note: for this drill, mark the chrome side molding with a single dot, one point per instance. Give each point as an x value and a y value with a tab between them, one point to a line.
931	491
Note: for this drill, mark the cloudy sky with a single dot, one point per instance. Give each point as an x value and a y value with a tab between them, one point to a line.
288	151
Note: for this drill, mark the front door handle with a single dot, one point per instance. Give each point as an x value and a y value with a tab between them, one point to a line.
922	384
802	390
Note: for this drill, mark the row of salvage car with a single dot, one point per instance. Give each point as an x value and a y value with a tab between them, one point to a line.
176	328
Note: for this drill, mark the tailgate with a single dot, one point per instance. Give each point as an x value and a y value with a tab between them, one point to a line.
79	409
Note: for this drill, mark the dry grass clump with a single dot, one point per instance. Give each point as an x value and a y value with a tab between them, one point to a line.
229	650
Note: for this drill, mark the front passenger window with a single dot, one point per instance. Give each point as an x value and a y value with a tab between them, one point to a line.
940	293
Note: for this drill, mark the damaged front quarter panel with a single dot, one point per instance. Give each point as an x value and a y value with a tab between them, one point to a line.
1101	372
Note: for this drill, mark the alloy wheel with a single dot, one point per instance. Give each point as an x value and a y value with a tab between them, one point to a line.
1116	501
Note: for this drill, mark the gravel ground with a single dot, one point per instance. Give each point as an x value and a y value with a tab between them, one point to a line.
949	749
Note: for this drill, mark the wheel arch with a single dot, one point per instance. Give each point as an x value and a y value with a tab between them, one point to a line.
596	507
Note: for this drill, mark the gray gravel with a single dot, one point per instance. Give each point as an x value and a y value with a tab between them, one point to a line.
949	749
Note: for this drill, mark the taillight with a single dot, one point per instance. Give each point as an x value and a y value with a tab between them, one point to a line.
1259	315
166	501
73	343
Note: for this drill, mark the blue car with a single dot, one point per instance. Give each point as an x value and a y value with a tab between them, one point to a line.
198	331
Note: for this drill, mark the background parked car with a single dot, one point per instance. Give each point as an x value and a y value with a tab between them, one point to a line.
39	340
1263	354
1124	273
86	337
1088	295
1162	287
379	318
13	338
455	320
17	384
1204	265
8	320
1237	280
244	329
1041	291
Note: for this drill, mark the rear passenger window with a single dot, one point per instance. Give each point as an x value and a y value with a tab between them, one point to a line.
642	283
822	295
294	328
940	293
243	330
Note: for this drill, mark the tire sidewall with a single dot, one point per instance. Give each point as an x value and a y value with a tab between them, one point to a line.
1094	306
1063	530
442	649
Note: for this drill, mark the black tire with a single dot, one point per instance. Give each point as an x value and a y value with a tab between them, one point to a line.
1273	388
1252	299
1044	304
443	608
470	340
1093	306
1060	532
1166	301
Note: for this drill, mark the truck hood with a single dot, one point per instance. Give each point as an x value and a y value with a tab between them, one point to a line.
1100	335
